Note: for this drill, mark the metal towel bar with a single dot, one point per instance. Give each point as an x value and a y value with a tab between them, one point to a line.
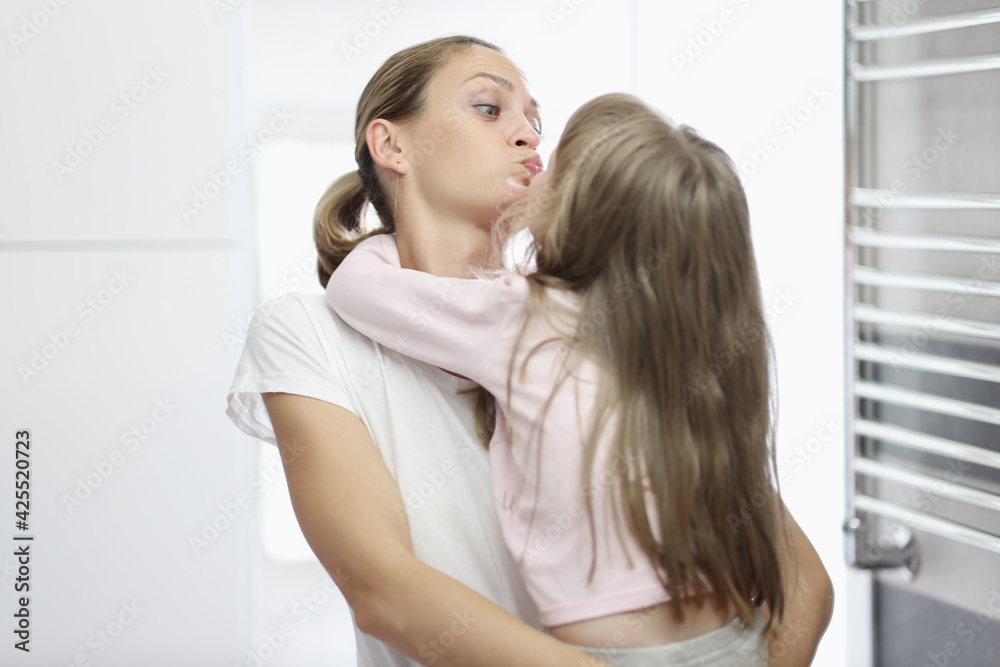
926	483
900	357
927	523
903	437
921	401
924	25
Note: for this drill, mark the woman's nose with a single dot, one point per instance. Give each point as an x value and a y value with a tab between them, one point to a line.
526	135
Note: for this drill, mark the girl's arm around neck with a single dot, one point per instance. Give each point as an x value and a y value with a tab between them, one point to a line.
446	322
344	498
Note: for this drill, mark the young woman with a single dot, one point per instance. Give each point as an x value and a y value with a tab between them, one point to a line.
386	475
621	482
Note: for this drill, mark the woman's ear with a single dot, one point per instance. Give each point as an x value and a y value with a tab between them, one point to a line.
384	139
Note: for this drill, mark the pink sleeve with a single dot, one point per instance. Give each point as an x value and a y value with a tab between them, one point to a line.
447	322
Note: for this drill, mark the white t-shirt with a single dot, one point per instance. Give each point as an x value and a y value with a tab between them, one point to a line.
422	427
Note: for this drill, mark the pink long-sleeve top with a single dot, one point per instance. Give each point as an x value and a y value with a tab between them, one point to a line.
469	327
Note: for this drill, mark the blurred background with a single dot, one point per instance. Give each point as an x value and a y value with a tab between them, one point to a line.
160	163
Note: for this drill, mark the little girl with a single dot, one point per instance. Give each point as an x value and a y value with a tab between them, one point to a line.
631	461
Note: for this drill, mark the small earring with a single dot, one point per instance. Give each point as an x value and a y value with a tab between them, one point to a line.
398	161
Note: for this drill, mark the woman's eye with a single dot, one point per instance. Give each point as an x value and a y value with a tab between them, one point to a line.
492	110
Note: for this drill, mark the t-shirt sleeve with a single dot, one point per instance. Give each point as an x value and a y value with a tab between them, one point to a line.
446	322
285	351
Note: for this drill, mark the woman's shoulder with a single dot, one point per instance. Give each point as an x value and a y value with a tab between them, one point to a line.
296	310
296	344
299	321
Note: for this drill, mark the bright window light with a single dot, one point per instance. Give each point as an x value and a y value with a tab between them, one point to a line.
291	176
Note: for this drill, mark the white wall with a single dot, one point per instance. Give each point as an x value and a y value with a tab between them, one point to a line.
173	332
126	305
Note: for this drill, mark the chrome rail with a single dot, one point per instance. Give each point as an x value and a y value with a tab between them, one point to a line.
903	437
925	522
897	356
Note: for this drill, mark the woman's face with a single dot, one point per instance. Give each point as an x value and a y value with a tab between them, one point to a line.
474	148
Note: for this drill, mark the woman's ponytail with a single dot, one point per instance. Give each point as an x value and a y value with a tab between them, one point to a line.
338	223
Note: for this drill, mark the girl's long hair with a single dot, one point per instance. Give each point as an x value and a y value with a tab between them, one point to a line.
648	222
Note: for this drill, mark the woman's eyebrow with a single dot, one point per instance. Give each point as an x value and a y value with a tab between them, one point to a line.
502	82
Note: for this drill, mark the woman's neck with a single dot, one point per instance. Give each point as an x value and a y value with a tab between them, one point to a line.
443	249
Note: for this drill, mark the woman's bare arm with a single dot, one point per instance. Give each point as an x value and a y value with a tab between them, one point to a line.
808	604
344	498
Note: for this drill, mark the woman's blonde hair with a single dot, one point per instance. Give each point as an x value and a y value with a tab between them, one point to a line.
649	223
397	92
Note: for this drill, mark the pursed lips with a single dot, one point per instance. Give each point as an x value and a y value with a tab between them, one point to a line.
533	165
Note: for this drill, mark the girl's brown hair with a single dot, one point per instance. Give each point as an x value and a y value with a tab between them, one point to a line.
649	223
396	92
